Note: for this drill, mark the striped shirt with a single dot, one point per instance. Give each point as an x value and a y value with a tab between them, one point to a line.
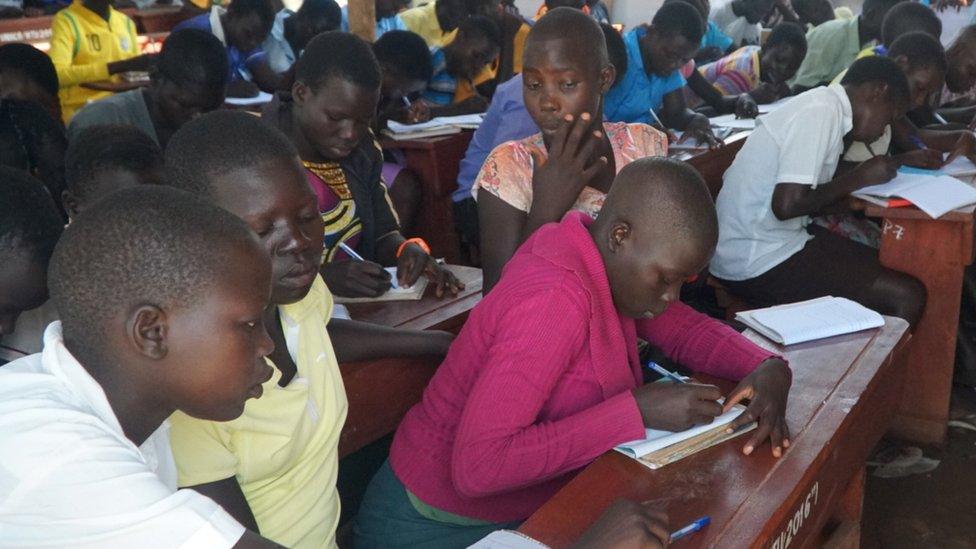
440	90
736	73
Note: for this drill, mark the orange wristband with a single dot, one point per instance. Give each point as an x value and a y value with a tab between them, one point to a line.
418	241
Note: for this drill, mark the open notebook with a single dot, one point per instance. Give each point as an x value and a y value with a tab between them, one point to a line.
659	448
413	293
931	191
810	320
442	125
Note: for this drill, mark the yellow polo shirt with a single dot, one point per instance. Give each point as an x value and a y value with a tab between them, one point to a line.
423	21
283	450
82	46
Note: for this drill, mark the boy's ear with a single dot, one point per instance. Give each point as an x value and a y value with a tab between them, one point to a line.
880	92
148	330
902	62
300	91
607	76
619	233
70	203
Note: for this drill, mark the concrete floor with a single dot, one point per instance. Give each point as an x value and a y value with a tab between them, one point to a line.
936	509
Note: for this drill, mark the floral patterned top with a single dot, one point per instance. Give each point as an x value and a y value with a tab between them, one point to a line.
507	172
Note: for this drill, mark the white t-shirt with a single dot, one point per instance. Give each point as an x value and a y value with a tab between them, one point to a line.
739	29
70	477
799	143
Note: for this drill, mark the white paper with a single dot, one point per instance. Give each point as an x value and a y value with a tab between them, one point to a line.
507	539
461	121
959	167
935	195
811	320
770	107
260	99
655	440
730	121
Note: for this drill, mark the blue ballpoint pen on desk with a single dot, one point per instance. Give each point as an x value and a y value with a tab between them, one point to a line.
655	367
691	528
352	253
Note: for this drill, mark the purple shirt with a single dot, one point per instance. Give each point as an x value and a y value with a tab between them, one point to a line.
506	105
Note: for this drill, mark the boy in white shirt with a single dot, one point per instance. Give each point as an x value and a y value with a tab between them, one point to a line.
785	173
741	20
156	317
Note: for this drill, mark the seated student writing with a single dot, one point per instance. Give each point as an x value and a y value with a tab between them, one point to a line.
327	117
834	45
387	17
104	159
188	80
27	73
714	42
92	41
506	421
571	164
156	316
436	21
274	469
741	20
768	252
760	72
457	64
30	226
242	27
811	13
958	99
653	81
32	141
292	30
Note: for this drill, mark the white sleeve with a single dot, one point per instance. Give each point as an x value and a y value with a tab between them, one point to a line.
72	481
803	145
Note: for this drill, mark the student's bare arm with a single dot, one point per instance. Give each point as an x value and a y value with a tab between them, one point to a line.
227	493
501	233
959	115
252	540
710	94
676	114
354	341
795	200
266	79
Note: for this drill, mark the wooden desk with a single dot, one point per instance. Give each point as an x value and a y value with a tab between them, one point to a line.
159	19
381	391
713	163
936	251
436	160
844	393
37	30
115	87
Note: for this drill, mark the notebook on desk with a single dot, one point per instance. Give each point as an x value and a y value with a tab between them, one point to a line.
931	191
811	320
443	125
413	293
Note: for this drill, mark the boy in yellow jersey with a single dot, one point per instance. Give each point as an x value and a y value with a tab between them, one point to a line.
91	41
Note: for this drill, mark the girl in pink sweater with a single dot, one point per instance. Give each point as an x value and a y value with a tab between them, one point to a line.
544	377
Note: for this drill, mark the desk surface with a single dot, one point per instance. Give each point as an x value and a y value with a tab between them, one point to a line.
115	87
843	394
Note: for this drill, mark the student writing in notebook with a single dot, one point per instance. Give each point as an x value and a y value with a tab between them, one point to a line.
570	165
544	377
274	468
786	172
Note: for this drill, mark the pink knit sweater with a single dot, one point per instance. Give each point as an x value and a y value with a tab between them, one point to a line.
538	383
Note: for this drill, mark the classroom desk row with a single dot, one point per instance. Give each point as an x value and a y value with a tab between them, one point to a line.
37	30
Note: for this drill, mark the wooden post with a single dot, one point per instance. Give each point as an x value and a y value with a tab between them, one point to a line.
362	18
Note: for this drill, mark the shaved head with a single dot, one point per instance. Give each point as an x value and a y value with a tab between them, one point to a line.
657	228
579	32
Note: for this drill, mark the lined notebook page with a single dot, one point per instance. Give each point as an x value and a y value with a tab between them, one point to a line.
811	320
655	440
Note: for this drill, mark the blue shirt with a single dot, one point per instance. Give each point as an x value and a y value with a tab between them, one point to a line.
384	25
276	47
506	120
440	90
638	92
237	60
715	37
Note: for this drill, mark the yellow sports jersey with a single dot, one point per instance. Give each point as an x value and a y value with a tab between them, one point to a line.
82	46
423	21
284	449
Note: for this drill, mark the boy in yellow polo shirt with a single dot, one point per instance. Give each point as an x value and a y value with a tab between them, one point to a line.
274	469
91	41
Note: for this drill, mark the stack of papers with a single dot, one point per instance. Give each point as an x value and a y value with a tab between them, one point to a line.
811	320
931	191
442	125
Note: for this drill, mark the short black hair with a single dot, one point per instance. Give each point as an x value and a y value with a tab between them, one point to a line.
789	34
680	18
577	27
32	62
32	141
909	17
262	8
142	245
575	4
480	26
405	52
921	49
616	49
885	5
219	142
107	147
29	219
327	10
880	70
338	54
192	56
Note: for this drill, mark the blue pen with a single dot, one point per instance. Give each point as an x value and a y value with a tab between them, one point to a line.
917	142
691	528
352	253
655	367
